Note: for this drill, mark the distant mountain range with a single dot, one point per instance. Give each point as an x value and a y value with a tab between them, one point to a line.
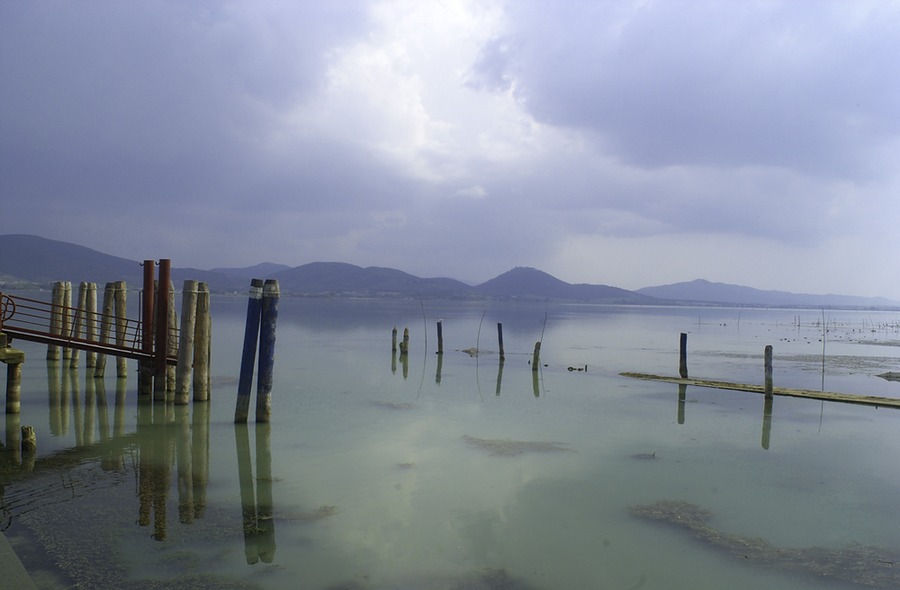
31	262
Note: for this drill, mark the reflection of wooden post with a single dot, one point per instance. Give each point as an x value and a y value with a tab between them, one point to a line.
440	334
682	357
202	343
768	368
248	355
767	422
499	374
200	456
682	391
536	359
500	340
121	313
184	459
440	366
265	507
248	496
268	317
186	342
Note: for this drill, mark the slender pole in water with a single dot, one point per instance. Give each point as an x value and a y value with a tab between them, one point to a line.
440	336
682	357
248	356
768	366
268	319
106	325
500	340
120	295
160	368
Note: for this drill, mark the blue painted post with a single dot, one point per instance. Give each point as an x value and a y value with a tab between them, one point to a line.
248	356
268	318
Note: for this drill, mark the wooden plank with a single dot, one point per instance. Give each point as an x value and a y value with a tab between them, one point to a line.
848	398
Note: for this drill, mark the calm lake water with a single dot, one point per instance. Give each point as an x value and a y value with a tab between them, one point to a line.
457	471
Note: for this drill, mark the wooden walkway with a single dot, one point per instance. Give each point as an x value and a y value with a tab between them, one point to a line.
848	398
36	321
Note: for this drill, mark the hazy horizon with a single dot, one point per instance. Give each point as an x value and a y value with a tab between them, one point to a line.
628	143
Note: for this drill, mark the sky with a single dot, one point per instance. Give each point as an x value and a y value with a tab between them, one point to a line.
626	143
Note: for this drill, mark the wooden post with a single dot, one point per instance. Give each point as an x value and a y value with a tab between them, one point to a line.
248	356
106	322
394	339
56	302
267	320
171	342
161	334
202	344
67	318
536	359
500	340
440	335
78	323
768	368
14	385
404	346
91	323
121	315
186	342
148	293
682	357
29	441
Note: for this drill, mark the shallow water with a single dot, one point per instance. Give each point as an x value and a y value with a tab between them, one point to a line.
374	475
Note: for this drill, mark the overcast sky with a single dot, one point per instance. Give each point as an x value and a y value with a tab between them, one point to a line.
621	143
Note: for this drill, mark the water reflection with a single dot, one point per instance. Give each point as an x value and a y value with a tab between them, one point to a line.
170	439
256	504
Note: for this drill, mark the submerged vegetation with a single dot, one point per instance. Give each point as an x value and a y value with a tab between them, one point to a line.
509	448
868	566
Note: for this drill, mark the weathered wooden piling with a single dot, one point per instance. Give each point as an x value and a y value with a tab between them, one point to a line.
186	343
267	321
120	295
160	368
29	441
91	324
171	342
440	337
148	296
106	325
14	360
67	317
202	344
500	340
536	359
394	339
682	357
768	368
78	322
56	302
248	355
